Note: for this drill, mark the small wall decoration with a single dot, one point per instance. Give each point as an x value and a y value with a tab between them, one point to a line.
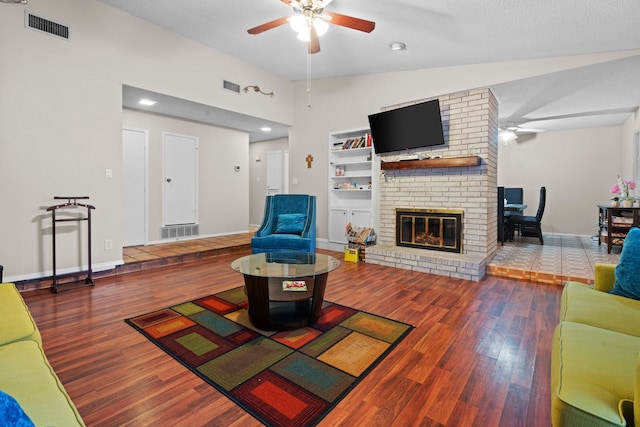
309	159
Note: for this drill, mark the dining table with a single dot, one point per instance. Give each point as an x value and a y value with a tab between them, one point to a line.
510	209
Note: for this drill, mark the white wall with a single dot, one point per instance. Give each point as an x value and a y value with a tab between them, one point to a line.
631	126
222	199
61	121
578	167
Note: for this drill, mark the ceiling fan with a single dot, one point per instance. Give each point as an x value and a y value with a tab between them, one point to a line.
311	21
520	129
509	133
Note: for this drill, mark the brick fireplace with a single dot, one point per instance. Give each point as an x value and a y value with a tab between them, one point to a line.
471	131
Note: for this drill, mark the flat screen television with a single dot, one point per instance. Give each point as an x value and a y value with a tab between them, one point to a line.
413	126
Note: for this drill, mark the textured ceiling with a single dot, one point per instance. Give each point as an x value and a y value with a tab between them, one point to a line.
443	33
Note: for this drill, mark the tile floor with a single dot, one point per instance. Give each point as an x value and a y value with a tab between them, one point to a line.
561	258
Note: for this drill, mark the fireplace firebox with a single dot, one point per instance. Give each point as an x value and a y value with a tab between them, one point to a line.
434	229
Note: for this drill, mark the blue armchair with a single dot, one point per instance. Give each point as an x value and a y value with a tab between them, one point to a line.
289	225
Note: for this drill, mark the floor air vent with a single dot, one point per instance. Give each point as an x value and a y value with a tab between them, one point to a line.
45	25
182	230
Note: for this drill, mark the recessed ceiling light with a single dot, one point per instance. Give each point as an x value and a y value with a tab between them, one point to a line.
265	129
145	101
398	46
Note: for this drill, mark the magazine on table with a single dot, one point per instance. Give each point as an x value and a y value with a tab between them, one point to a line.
294	285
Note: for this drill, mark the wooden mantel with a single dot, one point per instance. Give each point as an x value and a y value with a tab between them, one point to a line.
445	162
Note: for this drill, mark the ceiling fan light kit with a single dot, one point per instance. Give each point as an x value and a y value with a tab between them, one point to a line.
506	136
311	21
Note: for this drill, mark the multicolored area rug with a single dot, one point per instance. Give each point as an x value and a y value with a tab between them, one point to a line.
290	378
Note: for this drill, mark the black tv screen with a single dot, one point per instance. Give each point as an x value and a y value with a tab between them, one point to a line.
414	126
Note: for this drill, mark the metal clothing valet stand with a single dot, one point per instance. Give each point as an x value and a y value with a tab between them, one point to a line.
72	202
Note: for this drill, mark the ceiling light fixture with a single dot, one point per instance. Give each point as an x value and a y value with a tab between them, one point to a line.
506	136
302	25
145	101
308	17
398	46
265	129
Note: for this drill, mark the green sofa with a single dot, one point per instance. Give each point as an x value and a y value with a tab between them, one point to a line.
25	373
595	376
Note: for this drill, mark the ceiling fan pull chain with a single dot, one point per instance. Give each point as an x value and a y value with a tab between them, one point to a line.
308	76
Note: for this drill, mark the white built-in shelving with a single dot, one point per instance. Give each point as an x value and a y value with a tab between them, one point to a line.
353	182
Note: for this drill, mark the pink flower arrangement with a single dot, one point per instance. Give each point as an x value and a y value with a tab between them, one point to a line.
622	189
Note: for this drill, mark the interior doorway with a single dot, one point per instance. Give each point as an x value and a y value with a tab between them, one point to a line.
274	172
258	172
636	157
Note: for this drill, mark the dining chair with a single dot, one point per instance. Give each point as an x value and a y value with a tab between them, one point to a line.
531	226
503	220
514	195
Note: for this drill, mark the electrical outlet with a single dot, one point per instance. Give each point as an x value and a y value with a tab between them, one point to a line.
108	245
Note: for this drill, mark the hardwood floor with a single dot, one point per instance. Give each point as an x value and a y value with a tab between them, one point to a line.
479	355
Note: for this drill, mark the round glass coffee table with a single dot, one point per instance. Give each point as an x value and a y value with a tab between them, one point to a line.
285	290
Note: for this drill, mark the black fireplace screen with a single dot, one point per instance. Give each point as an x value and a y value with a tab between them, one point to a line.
435	229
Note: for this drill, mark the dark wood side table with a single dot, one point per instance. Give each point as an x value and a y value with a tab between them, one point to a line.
615	222
271	307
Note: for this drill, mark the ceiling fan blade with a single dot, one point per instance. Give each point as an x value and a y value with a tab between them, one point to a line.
268	25
350	22
314	41
529	130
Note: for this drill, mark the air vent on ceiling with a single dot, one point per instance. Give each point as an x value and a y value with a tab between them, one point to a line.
45	25
231	86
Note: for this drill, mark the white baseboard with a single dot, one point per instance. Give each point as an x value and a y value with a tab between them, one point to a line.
330	246
63	271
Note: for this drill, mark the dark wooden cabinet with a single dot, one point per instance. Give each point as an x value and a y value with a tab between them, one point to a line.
614	223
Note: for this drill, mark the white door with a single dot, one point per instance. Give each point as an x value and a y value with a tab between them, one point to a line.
274	172
134	183
180	189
